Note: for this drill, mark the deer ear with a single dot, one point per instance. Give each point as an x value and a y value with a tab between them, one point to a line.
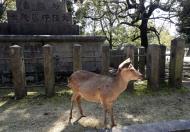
125	63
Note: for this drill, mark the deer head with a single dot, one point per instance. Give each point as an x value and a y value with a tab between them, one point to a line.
128	72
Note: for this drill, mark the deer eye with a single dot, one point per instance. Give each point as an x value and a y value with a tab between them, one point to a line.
130	67
131	70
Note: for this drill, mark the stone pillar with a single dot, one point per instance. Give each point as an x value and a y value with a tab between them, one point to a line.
18	71
162	62
153	66
77	64
49	74
176	62
142	60
130	52
105	59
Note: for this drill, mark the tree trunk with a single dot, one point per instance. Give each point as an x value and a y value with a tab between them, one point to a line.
143	33
111	35
111	41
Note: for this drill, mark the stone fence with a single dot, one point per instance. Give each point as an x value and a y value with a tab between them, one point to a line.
62	55
91	48
153	64
18	67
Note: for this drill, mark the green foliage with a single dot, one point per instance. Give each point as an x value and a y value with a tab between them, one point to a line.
80	17
120	36
165	89
133	36
165	37
7	5
70	7
121	22
95	16
123	36
184	19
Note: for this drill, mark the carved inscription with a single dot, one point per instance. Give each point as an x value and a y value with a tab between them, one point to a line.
26	5
55	18
45	18
35	17
39	17
24	17
13	16
40	5
56	6
41	11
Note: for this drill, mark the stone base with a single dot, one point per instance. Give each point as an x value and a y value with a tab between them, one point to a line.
38	29
62	50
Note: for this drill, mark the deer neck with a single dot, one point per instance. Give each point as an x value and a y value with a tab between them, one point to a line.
120	84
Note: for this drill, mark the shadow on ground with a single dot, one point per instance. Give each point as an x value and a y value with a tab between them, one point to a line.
38	113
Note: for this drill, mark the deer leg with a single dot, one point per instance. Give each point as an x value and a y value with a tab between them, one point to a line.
79	105
111	115
80	108
72	102
105	118
105	113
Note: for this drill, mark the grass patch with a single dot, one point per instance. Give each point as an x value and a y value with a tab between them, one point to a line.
165	89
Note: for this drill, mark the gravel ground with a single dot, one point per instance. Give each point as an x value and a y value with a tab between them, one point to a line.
38	113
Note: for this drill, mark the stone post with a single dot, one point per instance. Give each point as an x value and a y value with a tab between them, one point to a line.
105	59
162	62
142	60
153	66
176	62
77	64
18	71
49	74
130	52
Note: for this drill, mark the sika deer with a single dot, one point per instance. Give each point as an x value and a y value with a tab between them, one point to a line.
102	89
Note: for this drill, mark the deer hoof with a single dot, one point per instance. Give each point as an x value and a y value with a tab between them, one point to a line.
80	118
70	120
113	125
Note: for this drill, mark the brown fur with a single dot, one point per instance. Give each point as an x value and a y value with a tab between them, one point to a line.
101	89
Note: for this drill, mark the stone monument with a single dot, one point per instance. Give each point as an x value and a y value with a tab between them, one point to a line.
39	22
40	17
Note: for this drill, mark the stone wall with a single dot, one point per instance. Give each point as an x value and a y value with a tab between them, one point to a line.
62	53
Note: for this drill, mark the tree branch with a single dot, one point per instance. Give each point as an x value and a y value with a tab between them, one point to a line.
137	37
153	29
129	24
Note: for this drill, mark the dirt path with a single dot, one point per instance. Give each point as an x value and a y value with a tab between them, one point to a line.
36	113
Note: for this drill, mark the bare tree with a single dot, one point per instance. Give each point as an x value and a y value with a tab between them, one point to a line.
139	12
135	13
105	15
